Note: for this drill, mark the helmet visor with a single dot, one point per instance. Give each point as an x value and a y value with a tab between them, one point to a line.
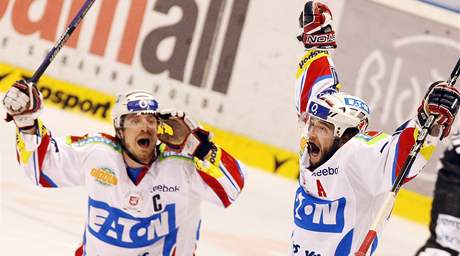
140	120
320	128
309	124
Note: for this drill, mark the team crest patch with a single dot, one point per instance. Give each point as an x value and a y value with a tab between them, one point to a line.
104	176
134	200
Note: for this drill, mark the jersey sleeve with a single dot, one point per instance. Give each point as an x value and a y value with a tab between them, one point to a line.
315	75
49	161
379	157
220	177
451	158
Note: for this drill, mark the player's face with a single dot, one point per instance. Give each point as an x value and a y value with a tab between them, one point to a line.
140	135
320	140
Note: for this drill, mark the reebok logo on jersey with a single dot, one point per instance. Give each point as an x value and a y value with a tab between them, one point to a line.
319	215
164	188
326	172
118	228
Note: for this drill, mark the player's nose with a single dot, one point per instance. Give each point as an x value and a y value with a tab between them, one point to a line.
312	134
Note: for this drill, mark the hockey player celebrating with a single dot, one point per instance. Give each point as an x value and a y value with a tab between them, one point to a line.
444	237
143	196
345	171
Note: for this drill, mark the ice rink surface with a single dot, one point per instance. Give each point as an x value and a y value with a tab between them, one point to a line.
36	221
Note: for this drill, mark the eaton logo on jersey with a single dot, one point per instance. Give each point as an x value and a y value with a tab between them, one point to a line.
116	227
319	215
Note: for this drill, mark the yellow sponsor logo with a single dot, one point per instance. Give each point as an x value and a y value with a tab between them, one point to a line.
164	128
104	176
307	59
208	168
24	155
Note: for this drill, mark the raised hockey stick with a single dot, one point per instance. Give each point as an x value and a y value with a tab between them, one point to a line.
54	51
57	47
390	198
62	40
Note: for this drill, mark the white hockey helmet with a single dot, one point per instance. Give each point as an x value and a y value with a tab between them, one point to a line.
137	101
342	110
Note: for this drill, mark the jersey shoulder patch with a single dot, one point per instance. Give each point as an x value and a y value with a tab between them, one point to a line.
371	137
95	139
166	152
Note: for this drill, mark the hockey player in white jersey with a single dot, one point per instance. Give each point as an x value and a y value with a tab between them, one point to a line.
345	170
143	196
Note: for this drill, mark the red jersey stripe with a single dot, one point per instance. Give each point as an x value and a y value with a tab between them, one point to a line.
233	168
317	68
79	251
216	187
41	152
405	144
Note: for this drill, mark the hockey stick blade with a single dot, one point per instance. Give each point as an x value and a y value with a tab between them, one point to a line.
62	40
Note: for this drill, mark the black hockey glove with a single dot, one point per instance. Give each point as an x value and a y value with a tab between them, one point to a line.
443	102
315	22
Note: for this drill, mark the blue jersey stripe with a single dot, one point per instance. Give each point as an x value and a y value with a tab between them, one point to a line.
224	170
49	180
318	79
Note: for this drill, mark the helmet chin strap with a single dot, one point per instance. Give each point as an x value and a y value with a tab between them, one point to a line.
131	154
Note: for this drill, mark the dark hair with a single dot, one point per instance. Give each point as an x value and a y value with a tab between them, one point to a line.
347	135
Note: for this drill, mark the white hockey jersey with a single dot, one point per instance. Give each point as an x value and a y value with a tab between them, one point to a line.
336	203
159	214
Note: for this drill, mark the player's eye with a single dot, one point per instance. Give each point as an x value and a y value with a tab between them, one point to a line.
151	119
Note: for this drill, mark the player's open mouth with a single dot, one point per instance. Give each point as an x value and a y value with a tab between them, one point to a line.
143	142
313	149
